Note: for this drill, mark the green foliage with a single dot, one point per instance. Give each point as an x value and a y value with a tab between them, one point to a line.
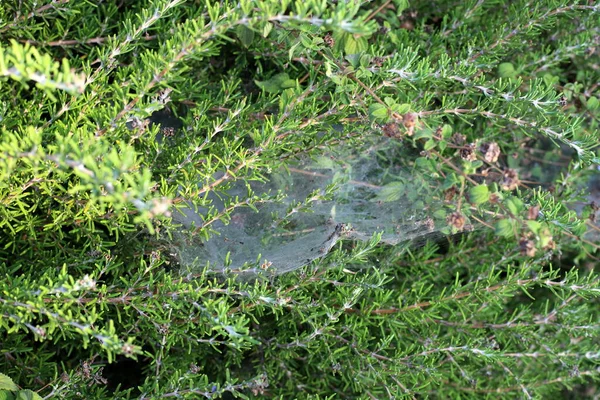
7	387
24	63
117	115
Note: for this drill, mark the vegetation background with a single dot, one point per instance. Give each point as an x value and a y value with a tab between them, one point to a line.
116	114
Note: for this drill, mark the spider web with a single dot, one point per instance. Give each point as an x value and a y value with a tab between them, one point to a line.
350	191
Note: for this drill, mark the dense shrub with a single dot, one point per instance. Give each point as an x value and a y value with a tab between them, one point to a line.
118	114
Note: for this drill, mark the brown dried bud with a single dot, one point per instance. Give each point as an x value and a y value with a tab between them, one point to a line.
510	179
127	349
194	369
594	208
562	101
86	371
382	30
458	139
390	130
450	193
329	40
551	245
168	131
65	378
533	212
467	153
527	247
491	152
408	25
494	199
457	220
378	61
410	121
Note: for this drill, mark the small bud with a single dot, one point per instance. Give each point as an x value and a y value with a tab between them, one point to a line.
378	61
458	139
450	193
87	283
127	349
467	153
41	332
510	179
491	152
161	207
266	265
551	245
457	220
168	131
408	25
410	121
527	247
562	101
533	212
391	130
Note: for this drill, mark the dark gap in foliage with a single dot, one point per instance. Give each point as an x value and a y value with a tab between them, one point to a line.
570	71
126	373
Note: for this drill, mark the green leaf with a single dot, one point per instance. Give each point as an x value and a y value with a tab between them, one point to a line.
514	205
353	45
6	395
245	34
27	394
440	214
400	5
446	131
401	108
267	29
354	59
389	101
550	79
430	144
479	194
378	112
592	103
390	192
365	60
506	70
276	84
534	226
425	133
288	84
505	228
6	383
306	41
425	163
451	180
